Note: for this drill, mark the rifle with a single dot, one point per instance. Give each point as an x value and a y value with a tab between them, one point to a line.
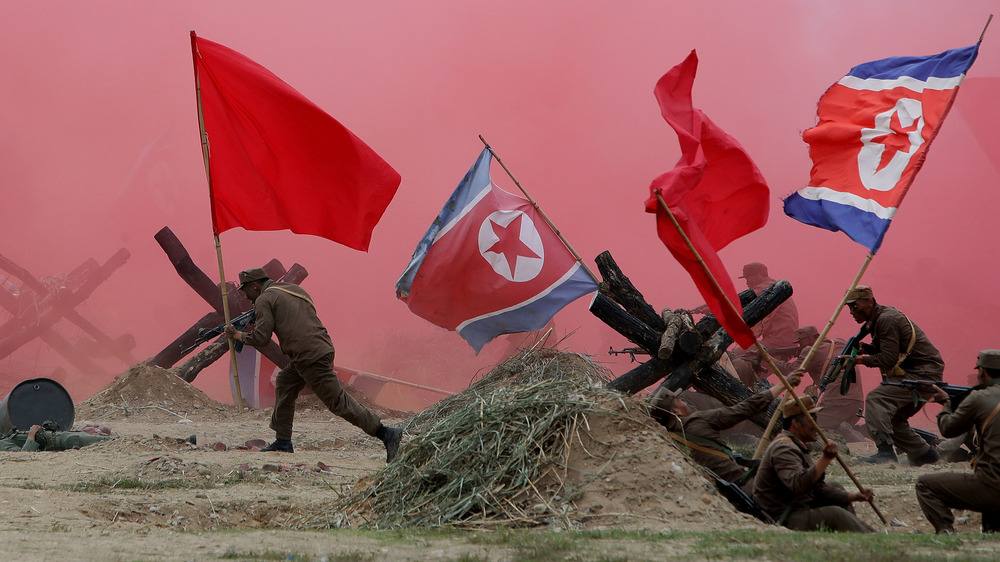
632	351
955	392
845	367
240	323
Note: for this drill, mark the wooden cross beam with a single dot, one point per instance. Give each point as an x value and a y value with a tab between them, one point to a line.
50	304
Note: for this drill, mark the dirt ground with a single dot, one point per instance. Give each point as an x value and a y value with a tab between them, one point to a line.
148	494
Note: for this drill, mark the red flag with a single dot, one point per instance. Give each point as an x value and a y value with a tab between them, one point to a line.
715	192
277	161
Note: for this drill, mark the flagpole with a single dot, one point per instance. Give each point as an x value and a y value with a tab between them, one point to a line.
805	362
206	152
542	213
763	352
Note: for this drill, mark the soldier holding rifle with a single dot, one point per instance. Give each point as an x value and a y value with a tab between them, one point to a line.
939	493
900	350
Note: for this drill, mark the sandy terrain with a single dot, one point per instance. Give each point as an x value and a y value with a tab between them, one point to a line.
148	494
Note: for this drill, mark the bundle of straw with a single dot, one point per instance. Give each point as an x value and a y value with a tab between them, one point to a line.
494	455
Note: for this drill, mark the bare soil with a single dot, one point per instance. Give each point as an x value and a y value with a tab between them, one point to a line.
149	494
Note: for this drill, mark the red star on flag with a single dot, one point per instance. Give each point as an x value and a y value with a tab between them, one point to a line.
509	243
897	140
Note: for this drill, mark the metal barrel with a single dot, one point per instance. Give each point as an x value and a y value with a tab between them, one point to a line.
35	401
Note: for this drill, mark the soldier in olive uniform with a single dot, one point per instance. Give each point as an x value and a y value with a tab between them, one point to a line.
792	488
900	350
776	330
701	431
38	439
939	493
287	311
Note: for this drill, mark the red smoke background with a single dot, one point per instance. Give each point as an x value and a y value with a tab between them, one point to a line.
99	150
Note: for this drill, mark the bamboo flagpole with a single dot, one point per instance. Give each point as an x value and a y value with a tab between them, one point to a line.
812	351
542	213
206	153
763	353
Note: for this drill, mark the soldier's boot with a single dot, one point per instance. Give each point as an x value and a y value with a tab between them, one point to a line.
390	436
931	456
885	454
280	445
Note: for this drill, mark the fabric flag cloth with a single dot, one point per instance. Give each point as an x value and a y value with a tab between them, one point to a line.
277	161
875	127
715	192
490	264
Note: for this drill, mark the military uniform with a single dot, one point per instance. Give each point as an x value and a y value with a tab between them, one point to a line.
777	330
784	488
286	310
701	433
888	408
49	440
837	408
939	493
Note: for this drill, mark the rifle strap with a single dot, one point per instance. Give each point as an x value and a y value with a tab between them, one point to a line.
284	290
702	444
897	371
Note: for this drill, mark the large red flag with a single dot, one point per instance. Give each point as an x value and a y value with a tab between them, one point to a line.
715	192
277	161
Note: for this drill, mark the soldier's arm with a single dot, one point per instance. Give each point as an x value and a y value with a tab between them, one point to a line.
963	419
890	334
263	327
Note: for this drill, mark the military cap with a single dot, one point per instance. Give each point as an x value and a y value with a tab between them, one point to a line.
791	408
989	359
859	292
664	397
248	276
754	268
806	332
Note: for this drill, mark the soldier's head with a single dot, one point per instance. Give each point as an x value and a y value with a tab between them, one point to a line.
806	336
861	302
754	273
252	282
795	421
668	400
988	364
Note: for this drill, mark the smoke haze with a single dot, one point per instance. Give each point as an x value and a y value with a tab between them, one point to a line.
100	150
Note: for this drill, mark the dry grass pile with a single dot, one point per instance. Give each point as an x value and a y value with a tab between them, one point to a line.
538	441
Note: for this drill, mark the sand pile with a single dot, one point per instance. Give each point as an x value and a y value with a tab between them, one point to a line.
538	441
152	394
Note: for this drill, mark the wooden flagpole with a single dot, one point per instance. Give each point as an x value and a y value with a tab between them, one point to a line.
951	100
542	213
206	153
805	362
763	353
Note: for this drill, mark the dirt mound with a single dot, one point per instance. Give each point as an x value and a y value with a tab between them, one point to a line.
152	394
538	441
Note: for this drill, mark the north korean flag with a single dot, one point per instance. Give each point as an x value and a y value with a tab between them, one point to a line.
490	264
875	127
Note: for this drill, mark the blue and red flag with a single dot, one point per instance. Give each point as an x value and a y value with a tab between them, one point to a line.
490	265
875	127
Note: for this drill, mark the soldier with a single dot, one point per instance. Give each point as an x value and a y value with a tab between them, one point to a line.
39	439
287	311
900	350
792	488
701	431
776	330
939	493
837	408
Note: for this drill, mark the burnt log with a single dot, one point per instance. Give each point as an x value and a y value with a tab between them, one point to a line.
682	373
620	289
190	369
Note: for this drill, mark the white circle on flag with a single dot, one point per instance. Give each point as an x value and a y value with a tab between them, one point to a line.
908	112
522	252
